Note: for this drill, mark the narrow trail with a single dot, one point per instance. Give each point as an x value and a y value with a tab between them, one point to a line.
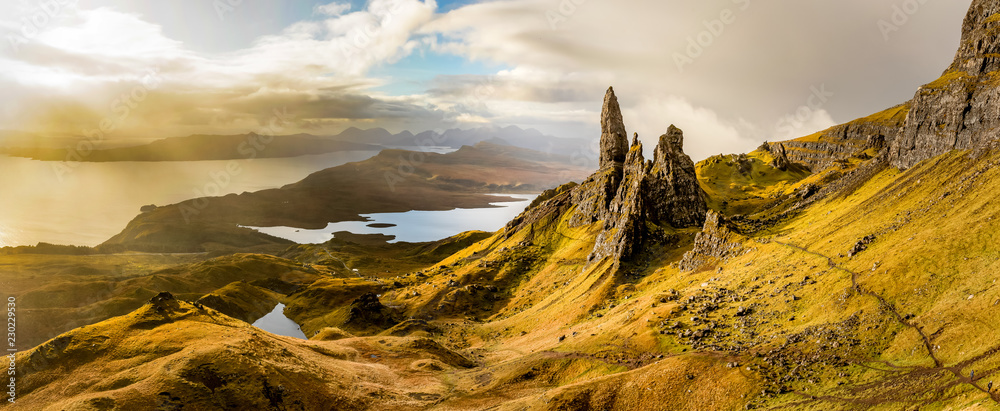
349	271
956	370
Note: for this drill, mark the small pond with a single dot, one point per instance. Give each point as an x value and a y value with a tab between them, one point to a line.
275	322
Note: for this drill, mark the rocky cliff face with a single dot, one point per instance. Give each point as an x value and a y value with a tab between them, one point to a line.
594	196
625	218
672	186
823	149
961	110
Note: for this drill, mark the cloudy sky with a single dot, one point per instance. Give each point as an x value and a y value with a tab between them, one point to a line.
731	73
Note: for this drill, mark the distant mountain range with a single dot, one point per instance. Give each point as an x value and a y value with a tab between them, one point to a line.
251	145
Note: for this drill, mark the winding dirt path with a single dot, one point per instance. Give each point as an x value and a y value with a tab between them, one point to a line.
956	370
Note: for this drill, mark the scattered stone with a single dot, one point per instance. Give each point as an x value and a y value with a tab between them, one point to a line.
861	245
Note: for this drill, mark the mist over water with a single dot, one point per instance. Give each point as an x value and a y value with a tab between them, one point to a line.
92	202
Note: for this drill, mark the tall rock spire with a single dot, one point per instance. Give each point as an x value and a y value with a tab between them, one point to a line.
614	143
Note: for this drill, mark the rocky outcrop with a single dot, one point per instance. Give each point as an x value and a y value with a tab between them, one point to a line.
978	48
671	185
780	161
593	197
960	110
614	143
624	222
663	192
714	244
368	312
636	199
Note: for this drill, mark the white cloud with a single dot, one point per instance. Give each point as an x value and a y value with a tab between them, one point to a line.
332	9
705	134
553	77
752	71
802	123
89	56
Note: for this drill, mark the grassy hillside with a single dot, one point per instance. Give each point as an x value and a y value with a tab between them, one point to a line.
874	288
58	293
170	354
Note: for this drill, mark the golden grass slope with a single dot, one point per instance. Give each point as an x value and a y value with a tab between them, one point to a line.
58	293
170	354
900	325
794	321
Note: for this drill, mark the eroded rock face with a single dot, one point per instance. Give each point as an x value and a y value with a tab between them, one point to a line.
367	311
594	196
614	143
961	110
714	244
624	220
664	191
672	189
628	193
780	158
842	141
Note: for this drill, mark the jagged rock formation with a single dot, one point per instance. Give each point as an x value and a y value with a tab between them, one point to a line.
715	243
781	161
594	198
628	193
664	191
614	143
625	219
672	188
960	110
